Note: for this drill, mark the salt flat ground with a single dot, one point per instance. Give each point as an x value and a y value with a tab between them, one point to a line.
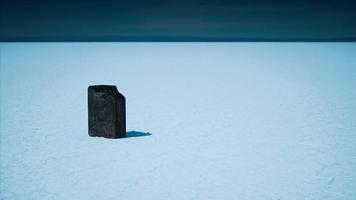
227	121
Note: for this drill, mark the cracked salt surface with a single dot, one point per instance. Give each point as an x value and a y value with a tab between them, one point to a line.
227	121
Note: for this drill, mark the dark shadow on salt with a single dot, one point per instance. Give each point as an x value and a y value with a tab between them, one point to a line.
130	134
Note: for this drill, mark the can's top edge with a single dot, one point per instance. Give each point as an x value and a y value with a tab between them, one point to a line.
106	88
102	86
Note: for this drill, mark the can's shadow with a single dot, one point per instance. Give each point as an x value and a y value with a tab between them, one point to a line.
130	134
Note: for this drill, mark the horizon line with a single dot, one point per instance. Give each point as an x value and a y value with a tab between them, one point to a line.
169	39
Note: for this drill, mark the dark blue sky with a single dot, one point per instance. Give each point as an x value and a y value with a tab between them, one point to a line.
197	20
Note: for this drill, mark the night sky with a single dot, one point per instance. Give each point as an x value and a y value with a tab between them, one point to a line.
158	20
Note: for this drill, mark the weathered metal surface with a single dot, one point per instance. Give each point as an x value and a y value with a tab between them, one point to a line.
106	112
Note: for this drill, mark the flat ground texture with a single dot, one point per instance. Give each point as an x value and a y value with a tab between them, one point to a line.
247	121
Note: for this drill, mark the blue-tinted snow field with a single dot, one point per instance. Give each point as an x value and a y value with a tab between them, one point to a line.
246	121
